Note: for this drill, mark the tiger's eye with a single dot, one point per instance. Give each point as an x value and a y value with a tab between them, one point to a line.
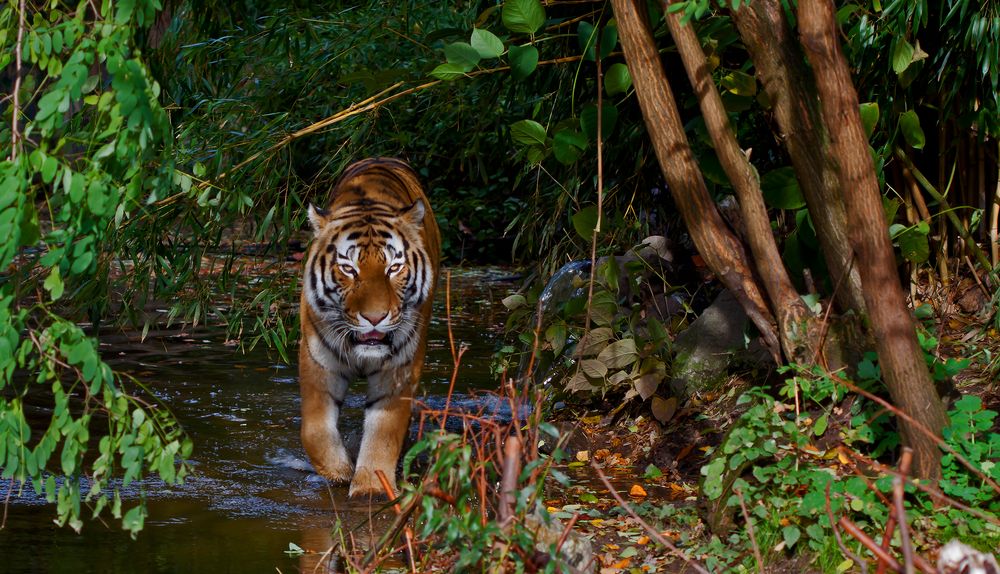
395	268
347	270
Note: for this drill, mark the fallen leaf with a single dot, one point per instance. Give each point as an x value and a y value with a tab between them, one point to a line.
664	409
583	455
637	491
642	540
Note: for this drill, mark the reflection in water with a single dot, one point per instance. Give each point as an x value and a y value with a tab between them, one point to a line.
251	492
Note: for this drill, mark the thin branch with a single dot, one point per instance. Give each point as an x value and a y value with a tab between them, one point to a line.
15	133
840	540
753	538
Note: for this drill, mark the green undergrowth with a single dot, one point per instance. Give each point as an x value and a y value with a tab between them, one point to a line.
838	450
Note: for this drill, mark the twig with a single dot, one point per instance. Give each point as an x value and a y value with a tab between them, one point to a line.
407	533
15	133
451	385
970	242
508	480
649	529
840	541
904	469
868	543
753	539
6	503
897	496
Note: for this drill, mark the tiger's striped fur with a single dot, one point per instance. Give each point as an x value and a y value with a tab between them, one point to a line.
368	287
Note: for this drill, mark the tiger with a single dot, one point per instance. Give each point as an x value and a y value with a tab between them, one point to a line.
367	291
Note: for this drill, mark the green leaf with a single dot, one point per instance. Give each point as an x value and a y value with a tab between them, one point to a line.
913	243
588	120
462	54
448	72
486	43
781	189
617	80
584	222
556	334
523	61
902	55
528	132
740	83
568	145
49	167
593	368
791	535
587	38
869	117
909	124
523	16
819	427
54	285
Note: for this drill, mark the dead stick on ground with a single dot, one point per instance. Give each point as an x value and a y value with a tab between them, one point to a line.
649	529
753	538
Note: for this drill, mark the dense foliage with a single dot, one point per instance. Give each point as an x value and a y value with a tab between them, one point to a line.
146	146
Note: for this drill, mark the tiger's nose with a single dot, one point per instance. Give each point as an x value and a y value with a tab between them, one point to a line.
374	318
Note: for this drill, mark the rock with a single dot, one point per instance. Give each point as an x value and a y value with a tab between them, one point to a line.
576	551
957	558
715	341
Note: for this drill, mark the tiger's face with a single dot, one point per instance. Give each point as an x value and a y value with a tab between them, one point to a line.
366	278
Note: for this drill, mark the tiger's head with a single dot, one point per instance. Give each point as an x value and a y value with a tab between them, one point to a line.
367	274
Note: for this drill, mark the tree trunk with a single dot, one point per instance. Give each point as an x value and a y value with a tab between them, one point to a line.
781	68
900	356
791	311
721	249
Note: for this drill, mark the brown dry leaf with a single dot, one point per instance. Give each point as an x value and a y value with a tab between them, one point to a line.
583	455
642	540
664	409
637	491
601	453
684	453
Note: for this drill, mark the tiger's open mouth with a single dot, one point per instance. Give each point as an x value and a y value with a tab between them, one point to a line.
371	339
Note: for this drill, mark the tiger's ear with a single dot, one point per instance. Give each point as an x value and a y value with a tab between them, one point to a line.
415	213
318	218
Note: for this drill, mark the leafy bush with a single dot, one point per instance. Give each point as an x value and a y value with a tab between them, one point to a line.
87	146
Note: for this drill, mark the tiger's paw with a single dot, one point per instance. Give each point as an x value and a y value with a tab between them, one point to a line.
367	484
337	471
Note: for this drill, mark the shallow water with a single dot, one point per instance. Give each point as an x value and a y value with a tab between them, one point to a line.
250	493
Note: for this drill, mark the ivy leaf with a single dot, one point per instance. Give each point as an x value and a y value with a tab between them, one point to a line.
617	80
781	189
528	132
909	124
523	61
462	54
486	43
524	16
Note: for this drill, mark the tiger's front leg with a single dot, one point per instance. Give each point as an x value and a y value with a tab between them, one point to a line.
387	420
322	396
